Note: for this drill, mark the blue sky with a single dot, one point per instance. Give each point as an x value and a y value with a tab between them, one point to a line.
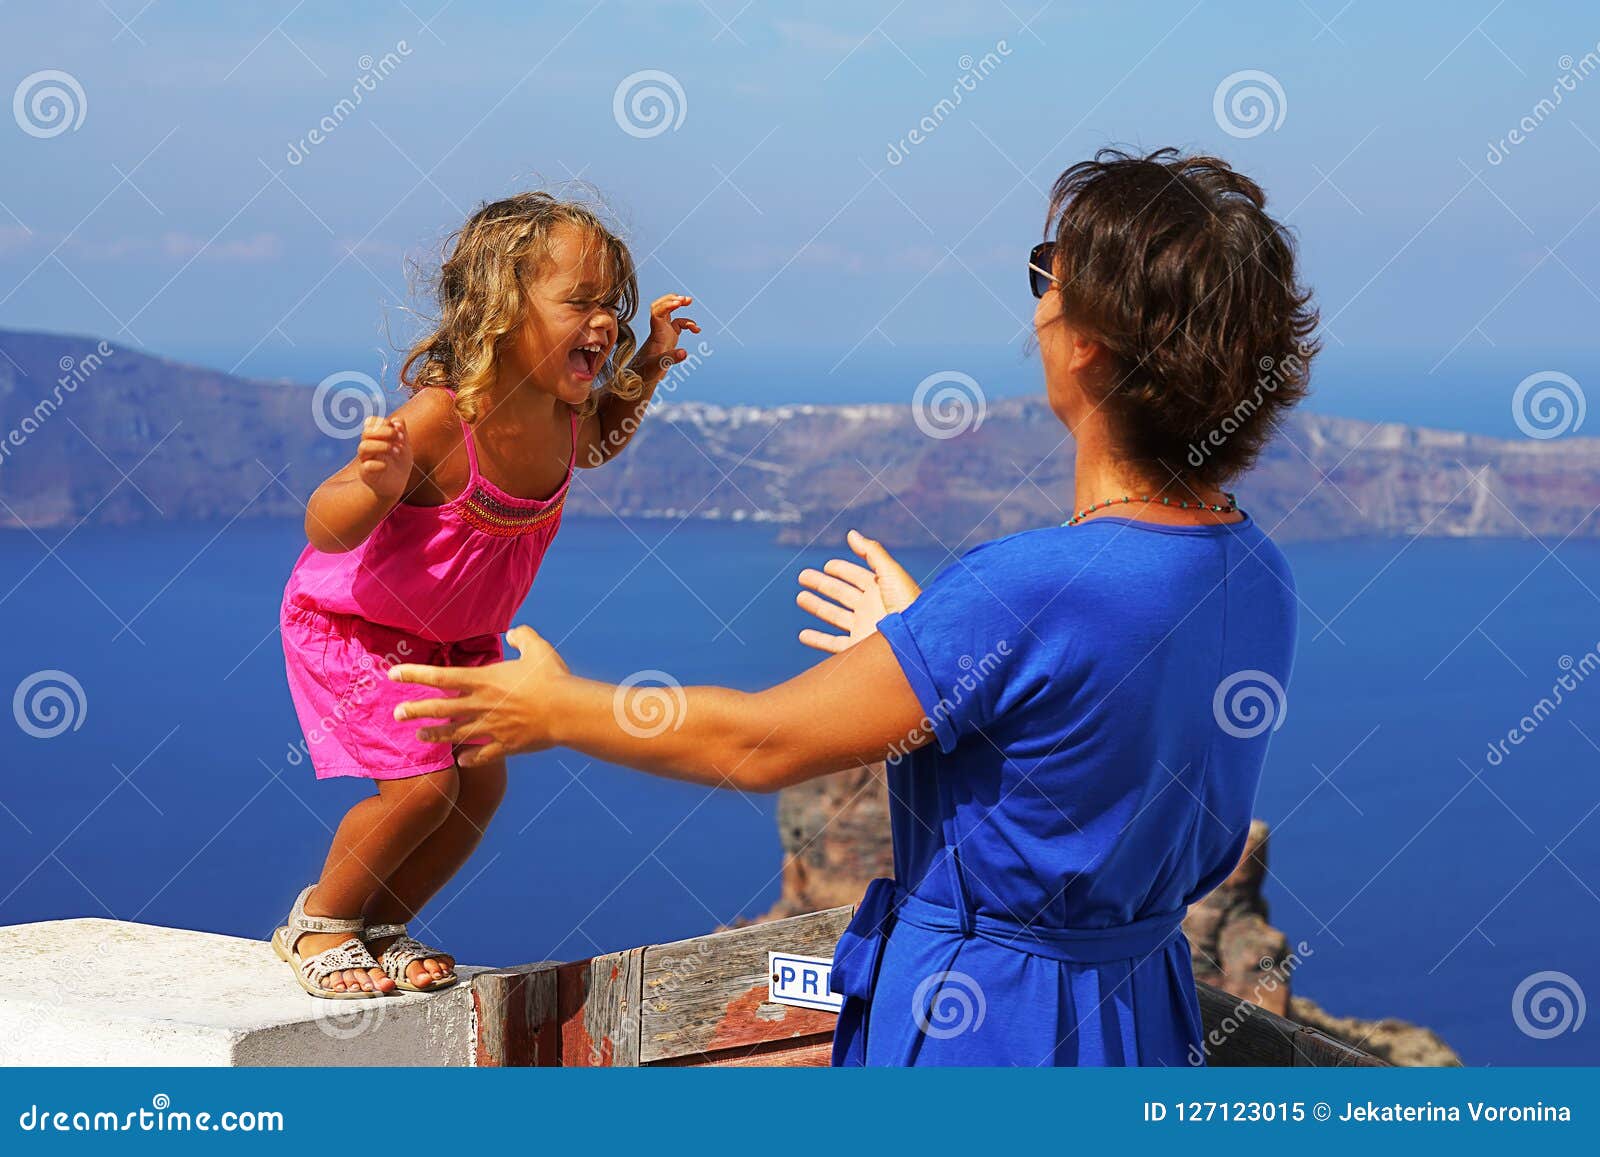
173	218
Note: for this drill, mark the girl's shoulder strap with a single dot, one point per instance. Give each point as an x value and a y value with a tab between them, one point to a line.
466	441
472	451
572	453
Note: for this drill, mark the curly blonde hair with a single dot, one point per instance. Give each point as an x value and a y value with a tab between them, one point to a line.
481	295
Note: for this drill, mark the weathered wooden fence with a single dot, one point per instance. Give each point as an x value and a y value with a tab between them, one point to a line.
704	1002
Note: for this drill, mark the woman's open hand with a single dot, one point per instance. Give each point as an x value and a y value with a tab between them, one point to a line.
859	596
506	704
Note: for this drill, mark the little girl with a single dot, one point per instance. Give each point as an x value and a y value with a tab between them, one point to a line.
424	546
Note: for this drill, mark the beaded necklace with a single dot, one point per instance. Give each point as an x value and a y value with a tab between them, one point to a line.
1232	506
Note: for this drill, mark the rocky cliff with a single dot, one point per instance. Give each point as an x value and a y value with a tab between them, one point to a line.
835	834
93	431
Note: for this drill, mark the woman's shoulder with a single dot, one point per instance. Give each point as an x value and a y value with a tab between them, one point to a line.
1106	556
1015	571
1022	553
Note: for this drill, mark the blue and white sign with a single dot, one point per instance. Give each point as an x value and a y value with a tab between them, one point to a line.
801	981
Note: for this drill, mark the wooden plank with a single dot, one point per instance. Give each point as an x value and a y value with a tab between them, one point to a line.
805	1053
1317	1048
597	1003
515	1013
1239	1033
708	994
703	1002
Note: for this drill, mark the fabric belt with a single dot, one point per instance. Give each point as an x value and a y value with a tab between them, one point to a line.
860	950
477	647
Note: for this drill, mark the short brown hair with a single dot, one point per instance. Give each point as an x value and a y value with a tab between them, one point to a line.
1173	265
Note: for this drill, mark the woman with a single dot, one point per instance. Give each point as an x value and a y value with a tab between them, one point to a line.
1068	771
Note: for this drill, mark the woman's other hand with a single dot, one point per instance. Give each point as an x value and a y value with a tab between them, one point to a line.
851	597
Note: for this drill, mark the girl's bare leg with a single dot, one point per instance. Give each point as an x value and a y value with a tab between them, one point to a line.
373	839
439	857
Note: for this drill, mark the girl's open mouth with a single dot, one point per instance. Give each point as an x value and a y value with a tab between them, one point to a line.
584	361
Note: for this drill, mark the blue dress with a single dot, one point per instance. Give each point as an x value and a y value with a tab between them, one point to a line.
1100	699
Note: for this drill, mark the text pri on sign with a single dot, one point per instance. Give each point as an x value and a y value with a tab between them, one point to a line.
801	981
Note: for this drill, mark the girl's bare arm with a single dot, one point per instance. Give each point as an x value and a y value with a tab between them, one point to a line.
395	456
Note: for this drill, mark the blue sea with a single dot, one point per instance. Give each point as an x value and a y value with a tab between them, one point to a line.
1424	880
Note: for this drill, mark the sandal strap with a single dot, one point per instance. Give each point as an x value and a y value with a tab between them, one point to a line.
403	953
351	954
299	923
383	931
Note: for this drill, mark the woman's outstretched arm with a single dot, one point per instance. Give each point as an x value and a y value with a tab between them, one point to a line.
851	709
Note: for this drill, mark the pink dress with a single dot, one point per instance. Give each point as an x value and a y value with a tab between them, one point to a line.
432	584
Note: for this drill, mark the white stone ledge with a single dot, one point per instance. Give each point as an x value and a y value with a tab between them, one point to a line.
105	992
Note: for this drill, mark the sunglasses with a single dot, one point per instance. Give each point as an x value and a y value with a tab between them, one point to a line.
1040	262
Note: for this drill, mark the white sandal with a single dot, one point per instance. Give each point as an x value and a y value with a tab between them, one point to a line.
402	954
313	970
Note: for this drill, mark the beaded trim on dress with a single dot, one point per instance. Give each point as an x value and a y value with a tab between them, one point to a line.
485	512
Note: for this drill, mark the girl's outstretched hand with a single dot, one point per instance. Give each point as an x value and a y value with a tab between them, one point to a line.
506	704
860	597
659	352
